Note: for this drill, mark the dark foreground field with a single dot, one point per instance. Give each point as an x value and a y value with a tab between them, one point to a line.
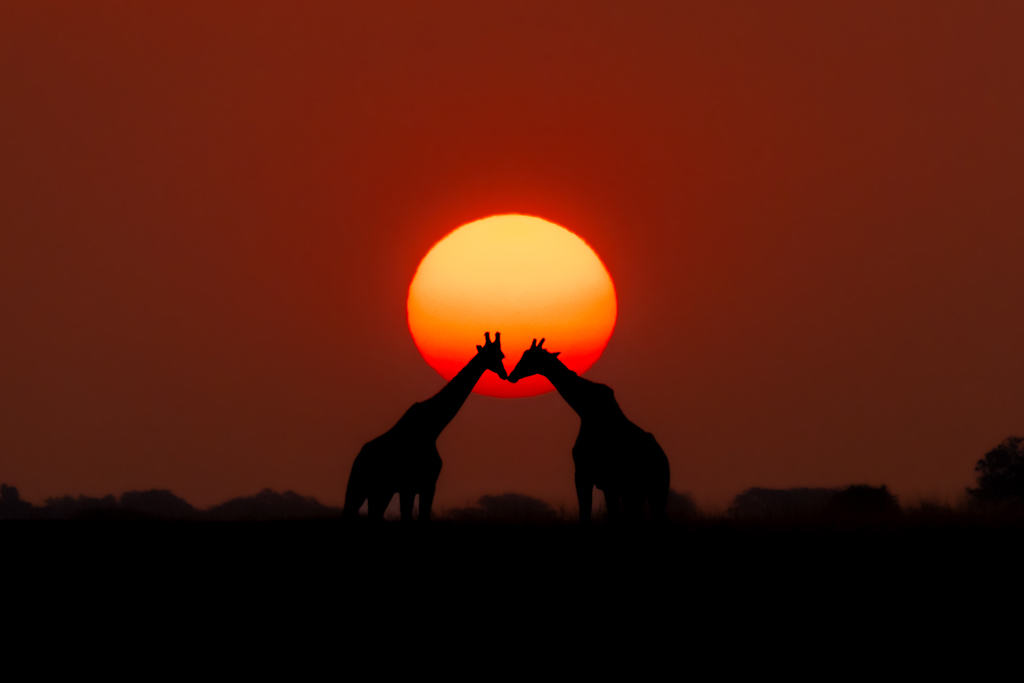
489	560
337	589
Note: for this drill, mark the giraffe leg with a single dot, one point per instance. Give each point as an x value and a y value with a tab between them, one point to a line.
378	504
612	504
658	481
405	499
426	501
657	500
355	491
633	507
584	493
352	504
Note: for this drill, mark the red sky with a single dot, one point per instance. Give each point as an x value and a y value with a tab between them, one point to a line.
209	217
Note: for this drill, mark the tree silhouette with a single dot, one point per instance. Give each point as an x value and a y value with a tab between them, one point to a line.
863	502
11	504
1001	473
854	503
270	505
157	503
506	507
680	507
793	503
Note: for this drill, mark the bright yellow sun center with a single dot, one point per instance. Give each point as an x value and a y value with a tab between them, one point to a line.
521	275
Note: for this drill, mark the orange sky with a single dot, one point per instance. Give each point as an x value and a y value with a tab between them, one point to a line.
209	217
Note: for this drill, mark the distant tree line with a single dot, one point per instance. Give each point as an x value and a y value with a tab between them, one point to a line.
158	504
999	490
517	508
857	502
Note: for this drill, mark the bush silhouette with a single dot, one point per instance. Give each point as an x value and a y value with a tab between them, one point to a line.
270	505
158	503
680	507
863	502
1001	474
762	503
11	504
858	502
70	507
506	507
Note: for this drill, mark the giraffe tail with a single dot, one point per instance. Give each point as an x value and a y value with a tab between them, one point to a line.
355	492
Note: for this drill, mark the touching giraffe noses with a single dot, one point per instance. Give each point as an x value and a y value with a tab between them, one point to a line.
501	370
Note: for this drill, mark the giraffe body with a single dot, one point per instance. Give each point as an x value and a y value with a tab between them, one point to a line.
404	459
611	453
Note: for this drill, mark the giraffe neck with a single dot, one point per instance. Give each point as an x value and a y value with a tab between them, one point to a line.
443	406
569	385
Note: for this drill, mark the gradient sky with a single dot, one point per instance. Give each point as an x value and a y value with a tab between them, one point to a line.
210	215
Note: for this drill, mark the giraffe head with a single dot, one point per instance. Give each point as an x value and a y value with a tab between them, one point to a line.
491	354
535	361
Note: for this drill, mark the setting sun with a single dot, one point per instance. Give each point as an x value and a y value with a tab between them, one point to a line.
521	275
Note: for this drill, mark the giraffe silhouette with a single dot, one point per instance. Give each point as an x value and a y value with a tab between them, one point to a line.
622	460
404	459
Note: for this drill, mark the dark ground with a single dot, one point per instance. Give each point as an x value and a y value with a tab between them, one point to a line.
480	561
769	596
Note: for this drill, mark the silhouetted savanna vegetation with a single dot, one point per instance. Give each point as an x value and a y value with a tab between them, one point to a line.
506	508
1000	475
159	504
271	505
512	547
859	502
996	499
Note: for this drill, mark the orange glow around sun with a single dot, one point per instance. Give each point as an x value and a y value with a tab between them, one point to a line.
519	275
